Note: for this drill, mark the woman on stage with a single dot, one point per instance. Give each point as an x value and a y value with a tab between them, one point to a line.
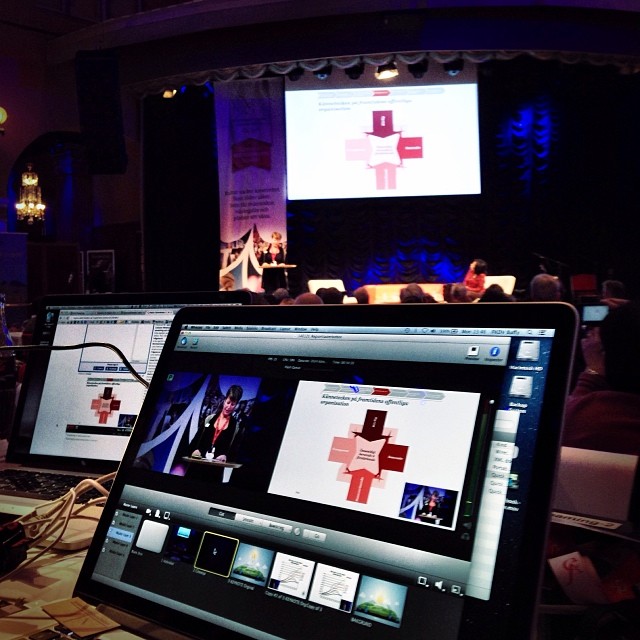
273	278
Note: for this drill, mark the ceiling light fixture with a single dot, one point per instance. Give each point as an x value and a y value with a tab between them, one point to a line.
418	69
324	73
355	71
387	71
295	73
454	67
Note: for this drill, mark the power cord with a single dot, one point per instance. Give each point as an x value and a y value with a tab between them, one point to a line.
47	524
81	345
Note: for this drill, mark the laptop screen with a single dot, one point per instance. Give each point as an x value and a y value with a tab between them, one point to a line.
341	471
81	404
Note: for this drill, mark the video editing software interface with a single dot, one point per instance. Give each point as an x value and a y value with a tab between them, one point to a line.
362	487
89	399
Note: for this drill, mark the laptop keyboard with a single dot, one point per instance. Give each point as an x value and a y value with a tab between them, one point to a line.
43	485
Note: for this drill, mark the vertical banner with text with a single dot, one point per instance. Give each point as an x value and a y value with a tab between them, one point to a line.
251	169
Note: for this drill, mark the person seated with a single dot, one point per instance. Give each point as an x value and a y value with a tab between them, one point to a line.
474	278
545	288
361	295
495	293
308	298
412	293
458	293
603	410
331	295
613	293
280	294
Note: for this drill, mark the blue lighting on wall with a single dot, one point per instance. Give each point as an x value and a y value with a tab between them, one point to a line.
525	142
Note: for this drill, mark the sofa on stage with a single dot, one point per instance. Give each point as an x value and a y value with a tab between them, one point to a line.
381	293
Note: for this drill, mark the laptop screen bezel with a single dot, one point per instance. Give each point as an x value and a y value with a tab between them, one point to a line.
18	451
480	618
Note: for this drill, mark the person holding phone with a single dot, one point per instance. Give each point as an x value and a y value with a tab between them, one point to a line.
603	410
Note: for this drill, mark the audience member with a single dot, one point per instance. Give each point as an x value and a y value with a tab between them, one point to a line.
280	294
227	282
495	293
412	293
361	295
331	295
474	279
458	293
545	288
613	293
603	410
308	298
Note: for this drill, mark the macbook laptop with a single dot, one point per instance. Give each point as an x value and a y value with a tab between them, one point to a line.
361	471
77	408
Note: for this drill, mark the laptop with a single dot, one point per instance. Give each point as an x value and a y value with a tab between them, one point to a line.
598	490
378	479
77	408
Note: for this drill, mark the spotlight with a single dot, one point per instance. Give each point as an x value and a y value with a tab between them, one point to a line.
454	67
169	93
356	71
387	71
324	73
295	74
418	69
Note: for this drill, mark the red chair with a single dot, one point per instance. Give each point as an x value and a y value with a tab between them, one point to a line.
584	285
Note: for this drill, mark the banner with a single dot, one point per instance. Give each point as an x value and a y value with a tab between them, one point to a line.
251	168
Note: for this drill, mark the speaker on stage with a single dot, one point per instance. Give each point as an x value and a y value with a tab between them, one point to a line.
100	111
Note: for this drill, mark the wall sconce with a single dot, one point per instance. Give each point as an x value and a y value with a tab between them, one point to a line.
168	93
387	71
3	119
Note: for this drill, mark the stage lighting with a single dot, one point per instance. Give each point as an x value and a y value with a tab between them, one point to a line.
418	69
324	73
356	71
454	67
387	71
295	73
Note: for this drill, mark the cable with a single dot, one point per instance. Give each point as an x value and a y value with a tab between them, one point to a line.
81	345
48	521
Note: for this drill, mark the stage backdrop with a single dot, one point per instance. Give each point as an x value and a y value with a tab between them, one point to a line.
251	167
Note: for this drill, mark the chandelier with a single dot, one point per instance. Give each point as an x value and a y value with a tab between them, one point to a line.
30	207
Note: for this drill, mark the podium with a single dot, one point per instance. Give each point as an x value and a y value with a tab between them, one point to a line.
274	276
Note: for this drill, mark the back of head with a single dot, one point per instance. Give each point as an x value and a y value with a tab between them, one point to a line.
280	294
620	336
545	288
331	295
308	298
361	295
412	293
613	289
495	293
481	266
459	293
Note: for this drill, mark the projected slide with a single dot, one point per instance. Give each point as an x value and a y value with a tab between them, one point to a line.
382	141
359	447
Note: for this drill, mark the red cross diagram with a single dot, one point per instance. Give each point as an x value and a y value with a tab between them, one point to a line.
105	404
366	454
384	149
